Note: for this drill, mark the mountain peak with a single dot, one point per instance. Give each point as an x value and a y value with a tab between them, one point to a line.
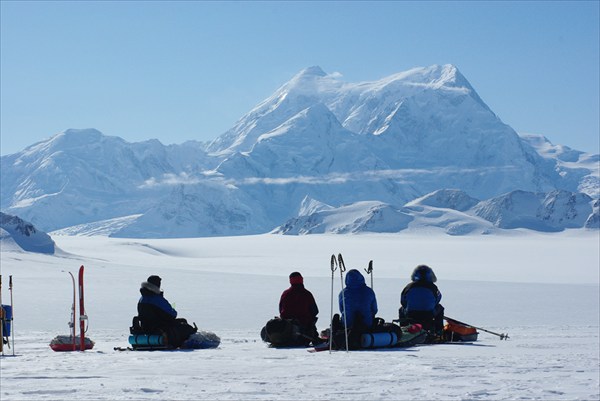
314	70
450	74
77	137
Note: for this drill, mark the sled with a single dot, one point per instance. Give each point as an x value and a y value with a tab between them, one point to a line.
381	340
64	343
159	342
382	335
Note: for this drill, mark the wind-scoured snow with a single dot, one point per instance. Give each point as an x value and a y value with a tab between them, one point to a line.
541	289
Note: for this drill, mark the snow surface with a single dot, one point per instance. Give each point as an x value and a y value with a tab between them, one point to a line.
542	289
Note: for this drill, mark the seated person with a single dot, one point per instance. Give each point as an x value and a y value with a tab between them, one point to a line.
360	302
157	316
297	303
420	300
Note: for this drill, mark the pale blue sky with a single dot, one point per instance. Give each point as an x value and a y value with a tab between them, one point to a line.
177	71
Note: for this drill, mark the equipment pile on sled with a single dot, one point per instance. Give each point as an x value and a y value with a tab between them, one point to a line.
139	340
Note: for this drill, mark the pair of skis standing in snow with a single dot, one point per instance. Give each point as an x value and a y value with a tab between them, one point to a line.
72	342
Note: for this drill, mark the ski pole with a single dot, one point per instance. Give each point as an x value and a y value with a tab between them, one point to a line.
12	314
369	271
502	336
333	269
342	270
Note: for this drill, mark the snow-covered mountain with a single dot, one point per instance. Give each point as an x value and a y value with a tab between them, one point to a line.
364	149
452	211
18	234
81	176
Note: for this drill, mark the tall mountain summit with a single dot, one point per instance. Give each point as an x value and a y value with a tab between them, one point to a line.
389	141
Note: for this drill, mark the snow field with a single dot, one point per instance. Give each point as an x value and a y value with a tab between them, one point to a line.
540	289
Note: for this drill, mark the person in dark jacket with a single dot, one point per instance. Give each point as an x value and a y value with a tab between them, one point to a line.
298	303
420	300
360	301
156	314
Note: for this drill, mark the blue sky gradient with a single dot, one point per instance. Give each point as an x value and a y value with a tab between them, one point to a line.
186	70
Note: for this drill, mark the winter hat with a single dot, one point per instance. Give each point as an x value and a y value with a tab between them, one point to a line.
296	278
423	273
154	280
152	284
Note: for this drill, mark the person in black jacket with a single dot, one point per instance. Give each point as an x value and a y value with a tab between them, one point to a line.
420	300
156	315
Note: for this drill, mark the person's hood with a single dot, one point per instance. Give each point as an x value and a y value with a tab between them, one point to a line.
151	288
354	278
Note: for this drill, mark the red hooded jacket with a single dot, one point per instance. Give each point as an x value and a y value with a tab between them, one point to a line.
298	303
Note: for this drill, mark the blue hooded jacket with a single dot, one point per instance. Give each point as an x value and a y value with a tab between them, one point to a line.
359	299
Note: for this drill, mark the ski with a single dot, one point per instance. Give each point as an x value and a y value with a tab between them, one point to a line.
73	314
82	315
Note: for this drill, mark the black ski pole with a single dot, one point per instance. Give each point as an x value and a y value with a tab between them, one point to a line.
12	314
502	336
369	271
333	269
342	266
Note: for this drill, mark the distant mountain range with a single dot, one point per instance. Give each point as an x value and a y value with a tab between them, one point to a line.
415	150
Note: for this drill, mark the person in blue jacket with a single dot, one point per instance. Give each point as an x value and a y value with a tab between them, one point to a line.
156	314
153	308
420	300
360	301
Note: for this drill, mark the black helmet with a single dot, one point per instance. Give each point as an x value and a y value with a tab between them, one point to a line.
423	273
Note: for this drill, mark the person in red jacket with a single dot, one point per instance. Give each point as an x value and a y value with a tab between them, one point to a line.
299	304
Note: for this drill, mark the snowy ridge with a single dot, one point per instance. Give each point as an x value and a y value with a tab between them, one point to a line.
454	212
16	233
392	141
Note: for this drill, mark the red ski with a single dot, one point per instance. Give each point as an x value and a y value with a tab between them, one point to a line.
82	315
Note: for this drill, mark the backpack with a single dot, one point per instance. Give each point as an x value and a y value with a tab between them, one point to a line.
283	332
457	332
